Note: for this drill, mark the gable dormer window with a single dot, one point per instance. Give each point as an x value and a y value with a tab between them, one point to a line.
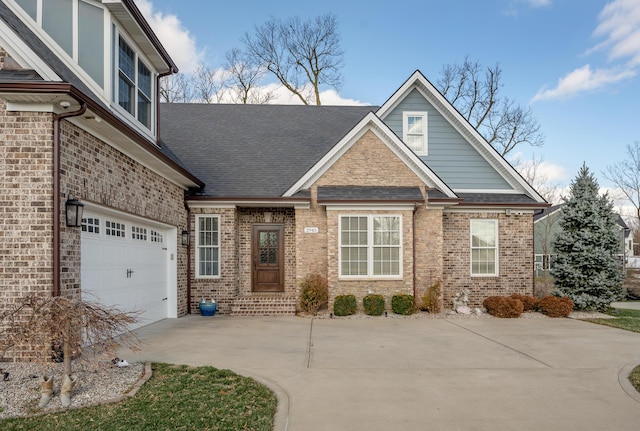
414	128
134	84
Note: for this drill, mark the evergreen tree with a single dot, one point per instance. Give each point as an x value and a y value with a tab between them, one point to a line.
587	268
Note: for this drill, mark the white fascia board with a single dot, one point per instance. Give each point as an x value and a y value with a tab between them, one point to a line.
444	107
371	122
24	55
492	191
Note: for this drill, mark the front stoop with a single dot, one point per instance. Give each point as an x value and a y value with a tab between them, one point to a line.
264	305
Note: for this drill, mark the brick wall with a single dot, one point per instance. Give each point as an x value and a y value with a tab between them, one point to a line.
515	257
96	172
26	201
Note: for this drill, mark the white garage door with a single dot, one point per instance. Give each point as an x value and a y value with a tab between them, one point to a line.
124	264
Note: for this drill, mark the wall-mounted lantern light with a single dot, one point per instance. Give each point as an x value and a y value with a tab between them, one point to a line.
74	209
185	237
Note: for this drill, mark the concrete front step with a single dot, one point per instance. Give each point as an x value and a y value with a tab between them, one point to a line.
264	305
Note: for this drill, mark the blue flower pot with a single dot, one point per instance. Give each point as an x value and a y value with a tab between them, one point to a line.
208	308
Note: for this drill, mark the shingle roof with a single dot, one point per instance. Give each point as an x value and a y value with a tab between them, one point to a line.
253	150
496	198
369	193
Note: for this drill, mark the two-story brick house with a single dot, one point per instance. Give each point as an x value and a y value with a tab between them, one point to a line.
233	202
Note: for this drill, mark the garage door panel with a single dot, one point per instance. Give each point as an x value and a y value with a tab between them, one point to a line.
128	271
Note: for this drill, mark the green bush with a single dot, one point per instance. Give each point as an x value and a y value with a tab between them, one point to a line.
402	304
503	306
344	305
373	304
530	303
314	293
554	306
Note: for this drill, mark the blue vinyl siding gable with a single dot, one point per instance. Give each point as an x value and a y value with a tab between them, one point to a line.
450	156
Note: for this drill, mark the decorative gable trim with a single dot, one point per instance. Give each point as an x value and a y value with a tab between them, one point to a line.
419	82
371	122
23	54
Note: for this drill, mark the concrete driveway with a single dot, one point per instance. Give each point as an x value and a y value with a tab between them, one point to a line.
417	374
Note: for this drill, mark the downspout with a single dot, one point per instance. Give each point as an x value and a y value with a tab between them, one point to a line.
160	75
57	118
415	209
188	259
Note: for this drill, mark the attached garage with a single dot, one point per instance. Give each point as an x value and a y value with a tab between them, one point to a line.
127	262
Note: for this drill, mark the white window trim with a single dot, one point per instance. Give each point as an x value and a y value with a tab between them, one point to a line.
425	140
497	248
370	247
115	82
197	247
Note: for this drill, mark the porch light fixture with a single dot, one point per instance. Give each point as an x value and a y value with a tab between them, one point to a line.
185	237
74	209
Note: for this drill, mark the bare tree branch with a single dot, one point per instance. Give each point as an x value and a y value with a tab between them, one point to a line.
475	94
626	175
300	54
244	79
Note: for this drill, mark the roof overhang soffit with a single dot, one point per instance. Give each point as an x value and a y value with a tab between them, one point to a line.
46	97
372	123
132	20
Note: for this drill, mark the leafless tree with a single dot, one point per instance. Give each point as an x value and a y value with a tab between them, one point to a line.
625	175
303	55
209	85
532	172
176	88
245	77
49	326
475	92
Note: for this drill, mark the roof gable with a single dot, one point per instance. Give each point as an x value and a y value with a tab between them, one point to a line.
418	82
371	123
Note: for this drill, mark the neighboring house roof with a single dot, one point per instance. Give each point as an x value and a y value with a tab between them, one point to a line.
551	210
253	150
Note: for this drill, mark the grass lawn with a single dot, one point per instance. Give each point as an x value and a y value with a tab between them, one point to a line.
623	319
175	398
630	321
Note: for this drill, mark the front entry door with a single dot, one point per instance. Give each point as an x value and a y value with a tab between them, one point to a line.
268	258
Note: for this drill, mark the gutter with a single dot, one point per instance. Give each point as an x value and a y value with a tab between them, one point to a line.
57	118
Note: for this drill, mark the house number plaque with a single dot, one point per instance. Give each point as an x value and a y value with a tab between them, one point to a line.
311	230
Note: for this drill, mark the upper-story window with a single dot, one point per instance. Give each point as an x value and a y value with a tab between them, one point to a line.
133	91
77	27
100	51
414	129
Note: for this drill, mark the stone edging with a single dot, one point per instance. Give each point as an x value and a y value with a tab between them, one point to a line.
136	387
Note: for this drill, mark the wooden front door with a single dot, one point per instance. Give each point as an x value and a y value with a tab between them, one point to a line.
268	258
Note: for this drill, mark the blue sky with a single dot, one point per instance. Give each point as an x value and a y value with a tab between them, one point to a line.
576	63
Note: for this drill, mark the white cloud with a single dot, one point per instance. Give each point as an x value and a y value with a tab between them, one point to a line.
619	25
176	39
282	96
584	79
539	3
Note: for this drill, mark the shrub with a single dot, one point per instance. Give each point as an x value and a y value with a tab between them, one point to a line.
344	305
529	302
373	305
503	306
314	293
432	299
402	304
554	306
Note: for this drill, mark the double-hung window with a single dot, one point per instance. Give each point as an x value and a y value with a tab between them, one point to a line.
370	246
134	92
415	131
207	246
484	247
